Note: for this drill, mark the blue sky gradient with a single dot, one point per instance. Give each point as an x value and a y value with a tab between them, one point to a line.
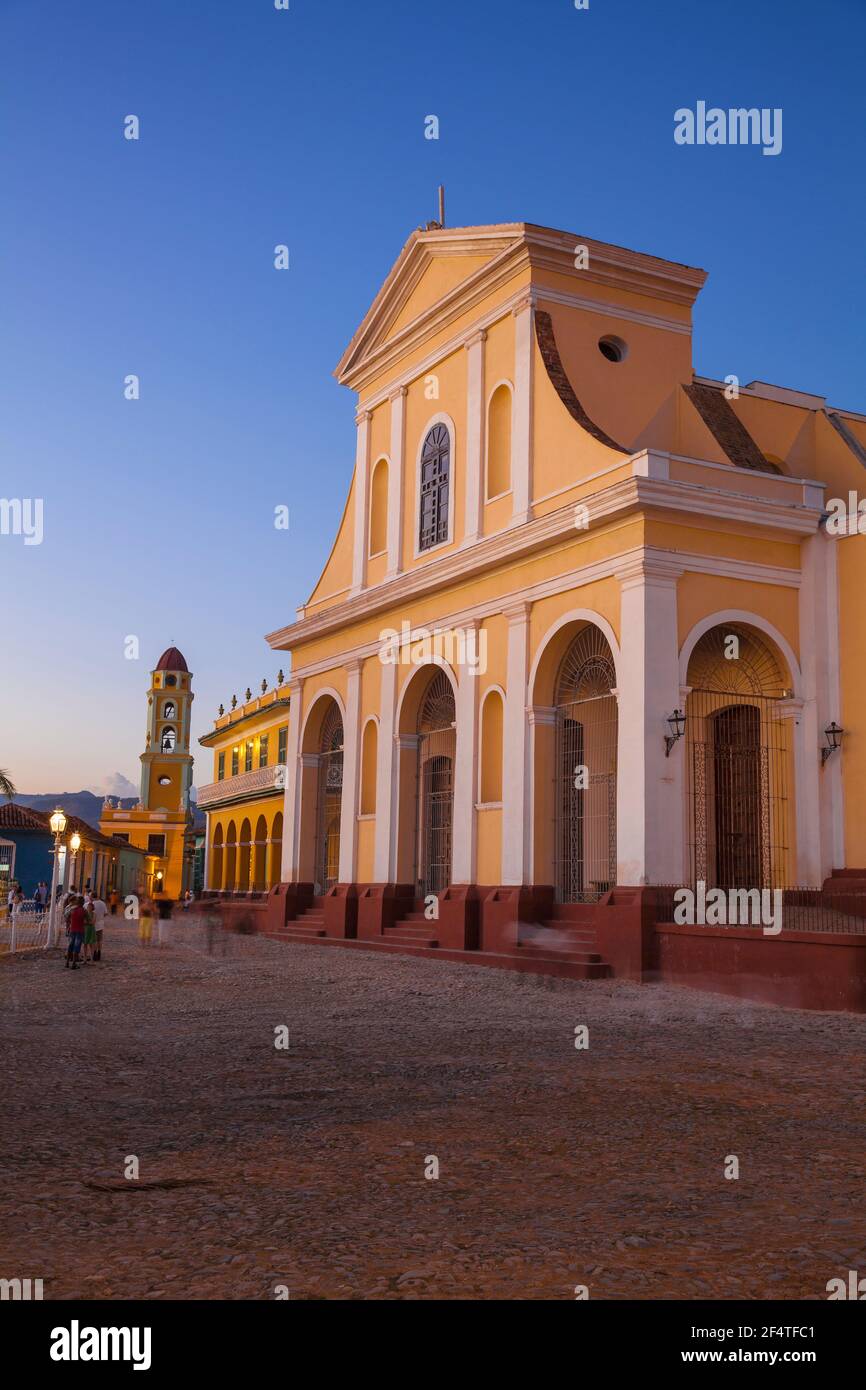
306	127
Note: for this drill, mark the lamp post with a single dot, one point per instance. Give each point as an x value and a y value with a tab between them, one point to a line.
58	826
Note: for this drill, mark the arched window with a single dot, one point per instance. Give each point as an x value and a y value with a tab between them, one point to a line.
168	710
369	748
168	740
491	747
435	480
379	509
499	442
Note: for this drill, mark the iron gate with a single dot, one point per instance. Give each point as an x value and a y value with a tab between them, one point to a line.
585	770
738	759
436	750
330	800
585	859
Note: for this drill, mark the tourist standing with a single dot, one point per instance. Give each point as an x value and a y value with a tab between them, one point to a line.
113	900
89	927
77	921
99	910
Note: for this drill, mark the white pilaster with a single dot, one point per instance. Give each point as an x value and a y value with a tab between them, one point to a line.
292	799
516	822
474	435
521	432
362	509
385	759
650	786
464	843
351	772
819	796
539	716
396	472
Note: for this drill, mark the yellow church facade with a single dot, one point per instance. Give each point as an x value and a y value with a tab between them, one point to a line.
580	630
161	822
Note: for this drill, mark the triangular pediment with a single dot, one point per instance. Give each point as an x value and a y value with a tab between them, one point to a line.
436	270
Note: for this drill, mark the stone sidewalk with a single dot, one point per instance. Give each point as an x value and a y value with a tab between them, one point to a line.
558	1167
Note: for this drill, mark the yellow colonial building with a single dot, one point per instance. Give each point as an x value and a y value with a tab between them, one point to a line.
162	821
244	802
579	630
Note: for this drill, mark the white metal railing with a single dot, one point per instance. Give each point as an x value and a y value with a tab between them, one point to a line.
260	779
25	929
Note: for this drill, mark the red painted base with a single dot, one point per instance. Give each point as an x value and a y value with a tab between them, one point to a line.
522	928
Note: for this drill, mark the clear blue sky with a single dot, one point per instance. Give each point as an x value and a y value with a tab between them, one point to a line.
306	127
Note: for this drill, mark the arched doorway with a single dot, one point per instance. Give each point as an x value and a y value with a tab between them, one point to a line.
276	852
231	857
260	850
216	863
585	763
330	800
739	761
436	749
244	856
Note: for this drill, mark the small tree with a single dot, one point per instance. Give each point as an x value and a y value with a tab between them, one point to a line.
7	786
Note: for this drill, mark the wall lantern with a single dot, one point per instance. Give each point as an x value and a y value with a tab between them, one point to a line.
57	823
677	726
833	734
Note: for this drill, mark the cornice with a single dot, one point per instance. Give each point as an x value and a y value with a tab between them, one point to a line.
628	496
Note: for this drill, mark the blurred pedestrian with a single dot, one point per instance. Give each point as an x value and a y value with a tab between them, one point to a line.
113	900
145	921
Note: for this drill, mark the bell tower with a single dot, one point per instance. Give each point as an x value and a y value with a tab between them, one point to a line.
166	763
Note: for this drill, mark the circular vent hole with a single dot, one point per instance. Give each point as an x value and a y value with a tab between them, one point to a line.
614	349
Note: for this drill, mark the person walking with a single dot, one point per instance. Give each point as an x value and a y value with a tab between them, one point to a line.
113	900
99	910
145	921
75	930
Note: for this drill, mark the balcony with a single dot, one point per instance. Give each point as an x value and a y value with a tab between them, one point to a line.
242	787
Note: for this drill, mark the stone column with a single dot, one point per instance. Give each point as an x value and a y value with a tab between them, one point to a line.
521	429
650	815
386	828
292	799
516	823
464	835
396	472
351	772
475	423
362	509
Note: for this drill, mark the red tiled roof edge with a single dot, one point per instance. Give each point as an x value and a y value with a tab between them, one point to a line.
727	428
546	339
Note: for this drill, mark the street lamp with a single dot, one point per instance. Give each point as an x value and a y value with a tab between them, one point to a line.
58	827
677	726
75	846
833	734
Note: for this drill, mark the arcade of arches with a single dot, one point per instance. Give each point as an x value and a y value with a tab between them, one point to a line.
246	850
551	768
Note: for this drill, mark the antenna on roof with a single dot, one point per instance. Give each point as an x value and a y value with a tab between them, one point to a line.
437	226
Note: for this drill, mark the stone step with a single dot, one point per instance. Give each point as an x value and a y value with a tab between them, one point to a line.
564	963
395	937
578	913
298	932
547	951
